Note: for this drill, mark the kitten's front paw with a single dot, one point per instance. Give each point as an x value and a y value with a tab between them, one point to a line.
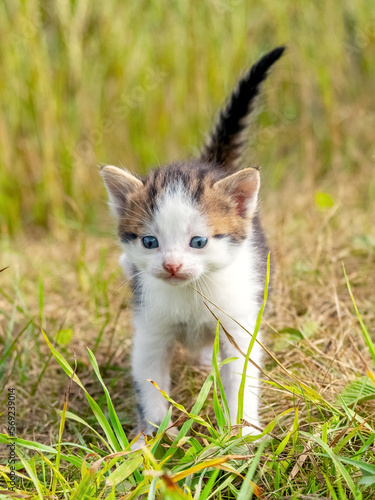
205	357
251	428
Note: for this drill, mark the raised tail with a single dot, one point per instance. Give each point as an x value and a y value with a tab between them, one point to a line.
225	144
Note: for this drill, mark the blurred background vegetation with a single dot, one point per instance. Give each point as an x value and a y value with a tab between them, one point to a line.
139	83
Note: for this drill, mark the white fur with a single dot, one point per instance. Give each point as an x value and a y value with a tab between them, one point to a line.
170	312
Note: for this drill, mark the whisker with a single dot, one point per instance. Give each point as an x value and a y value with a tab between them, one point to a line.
143	210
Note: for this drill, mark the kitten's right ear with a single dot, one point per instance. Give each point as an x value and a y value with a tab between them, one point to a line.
120	184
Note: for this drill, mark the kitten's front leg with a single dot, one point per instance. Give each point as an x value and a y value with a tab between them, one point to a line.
151	359
231	375
205	356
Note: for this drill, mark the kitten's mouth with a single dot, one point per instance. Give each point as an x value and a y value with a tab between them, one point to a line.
174	279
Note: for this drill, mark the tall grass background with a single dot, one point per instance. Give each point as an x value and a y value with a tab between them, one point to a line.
139	83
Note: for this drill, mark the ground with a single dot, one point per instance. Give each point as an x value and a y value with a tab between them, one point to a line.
75	284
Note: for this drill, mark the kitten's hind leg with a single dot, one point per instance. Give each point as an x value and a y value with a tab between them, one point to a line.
231	375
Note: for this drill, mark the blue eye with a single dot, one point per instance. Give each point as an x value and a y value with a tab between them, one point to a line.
150	242
198	242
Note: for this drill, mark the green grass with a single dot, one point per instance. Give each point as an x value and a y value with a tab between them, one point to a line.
333	457
139	83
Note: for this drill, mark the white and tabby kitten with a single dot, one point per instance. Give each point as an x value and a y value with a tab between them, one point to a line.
194	225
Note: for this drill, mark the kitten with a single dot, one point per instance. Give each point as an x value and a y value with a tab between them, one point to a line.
193	225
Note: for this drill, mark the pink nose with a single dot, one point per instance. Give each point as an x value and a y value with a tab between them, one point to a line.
172	268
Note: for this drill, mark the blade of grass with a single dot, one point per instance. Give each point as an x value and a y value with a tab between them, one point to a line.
209	485
215	462
111	496
163	426
123	471
7	351
152	491
241	392
364	467
329	486
196	418
32	445
223	418
56	472
32	475
61	430
248	487
366	335
224	484
336	460
72	416
116	424
99	415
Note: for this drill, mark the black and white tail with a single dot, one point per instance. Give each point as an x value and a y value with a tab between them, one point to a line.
224	146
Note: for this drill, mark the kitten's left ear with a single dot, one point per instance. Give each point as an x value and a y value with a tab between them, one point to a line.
120	185
243	187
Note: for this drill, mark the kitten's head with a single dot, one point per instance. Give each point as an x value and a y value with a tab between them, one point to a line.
183	221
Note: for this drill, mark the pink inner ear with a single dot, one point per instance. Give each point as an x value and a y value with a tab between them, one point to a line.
243	188
241	199
243	196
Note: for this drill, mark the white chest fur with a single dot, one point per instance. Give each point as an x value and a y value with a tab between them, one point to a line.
180	309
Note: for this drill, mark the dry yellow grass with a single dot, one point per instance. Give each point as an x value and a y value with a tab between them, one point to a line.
308	247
